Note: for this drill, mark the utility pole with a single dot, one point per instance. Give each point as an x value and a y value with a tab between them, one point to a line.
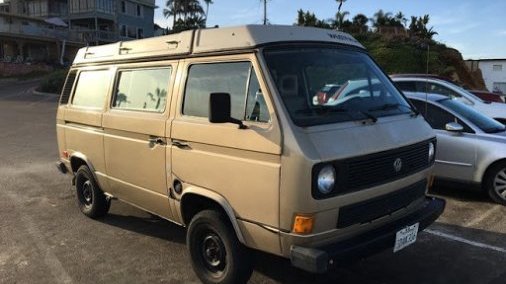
265	12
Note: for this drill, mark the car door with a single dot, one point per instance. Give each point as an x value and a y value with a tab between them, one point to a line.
456	152
135	135
241	165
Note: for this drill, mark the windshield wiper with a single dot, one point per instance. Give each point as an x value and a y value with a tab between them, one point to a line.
393	106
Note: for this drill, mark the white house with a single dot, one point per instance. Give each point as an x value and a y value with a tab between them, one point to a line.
494	73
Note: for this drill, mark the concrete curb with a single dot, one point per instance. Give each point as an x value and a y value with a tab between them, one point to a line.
37	93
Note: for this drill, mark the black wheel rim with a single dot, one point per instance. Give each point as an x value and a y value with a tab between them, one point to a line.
213	253
86	193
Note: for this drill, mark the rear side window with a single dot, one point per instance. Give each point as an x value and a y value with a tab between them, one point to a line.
236	78
67	88
142	89
91	89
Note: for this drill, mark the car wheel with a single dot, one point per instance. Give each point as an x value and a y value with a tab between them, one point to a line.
217	255
90	198
495	183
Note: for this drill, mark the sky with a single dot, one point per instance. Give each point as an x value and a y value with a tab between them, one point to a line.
476	28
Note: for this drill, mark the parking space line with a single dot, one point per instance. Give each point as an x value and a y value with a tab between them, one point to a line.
465	241
484	216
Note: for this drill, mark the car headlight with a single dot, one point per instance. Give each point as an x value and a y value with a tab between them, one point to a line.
431	151
326	179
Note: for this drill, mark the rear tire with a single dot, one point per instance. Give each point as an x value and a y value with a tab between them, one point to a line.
91	200
495	183
217	255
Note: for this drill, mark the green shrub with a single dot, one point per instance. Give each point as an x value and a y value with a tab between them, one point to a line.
53	83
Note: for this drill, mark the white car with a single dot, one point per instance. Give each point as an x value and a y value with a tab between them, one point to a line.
445	88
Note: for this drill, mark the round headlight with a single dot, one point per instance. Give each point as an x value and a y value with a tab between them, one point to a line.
431	152
326	179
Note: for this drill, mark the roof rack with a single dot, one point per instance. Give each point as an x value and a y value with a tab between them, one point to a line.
210	40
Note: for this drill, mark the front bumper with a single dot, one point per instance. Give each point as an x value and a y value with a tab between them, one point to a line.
321	259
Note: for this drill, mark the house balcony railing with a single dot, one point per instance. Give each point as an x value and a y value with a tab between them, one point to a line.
36	30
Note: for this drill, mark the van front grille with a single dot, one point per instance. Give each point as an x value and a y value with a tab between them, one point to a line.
358	173
379	168
369	210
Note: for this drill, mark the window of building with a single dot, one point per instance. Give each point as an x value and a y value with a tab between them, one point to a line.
139	10
140	33
142	89
499	87
123	7
91	89
237	79
497	67
123	30
131	32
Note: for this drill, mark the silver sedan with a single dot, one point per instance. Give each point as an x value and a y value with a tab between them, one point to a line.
471	147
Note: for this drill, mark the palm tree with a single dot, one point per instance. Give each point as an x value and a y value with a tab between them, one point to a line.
400	17
173	9
381	19
208	2
340	19
187	14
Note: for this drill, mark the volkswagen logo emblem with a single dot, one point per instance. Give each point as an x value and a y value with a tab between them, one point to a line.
397	165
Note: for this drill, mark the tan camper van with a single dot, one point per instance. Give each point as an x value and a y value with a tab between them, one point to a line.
282	139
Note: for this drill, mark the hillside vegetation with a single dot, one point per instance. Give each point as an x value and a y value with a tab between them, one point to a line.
399	47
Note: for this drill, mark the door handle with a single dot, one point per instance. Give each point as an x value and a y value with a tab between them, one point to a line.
156	140
181	144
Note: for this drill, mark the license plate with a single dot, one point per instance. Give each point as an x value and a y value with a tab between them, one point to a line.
405	237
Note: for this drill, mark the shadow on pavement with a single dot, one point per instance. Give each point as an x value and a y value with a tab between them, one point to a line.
460	192
150	226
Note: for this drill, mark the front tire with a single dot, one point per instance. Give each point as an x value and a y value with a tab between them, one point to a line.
91	200
217	255
495	183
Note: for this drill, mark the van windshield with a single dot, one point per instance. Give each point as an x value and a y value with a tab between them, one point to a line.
322	85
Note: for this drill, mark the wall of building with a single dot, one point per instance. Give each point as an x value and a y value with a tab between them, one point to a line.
15	69
129	18
494	74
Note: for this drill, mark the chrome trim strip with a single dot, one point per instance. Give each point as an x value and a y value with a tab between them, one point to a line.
454	163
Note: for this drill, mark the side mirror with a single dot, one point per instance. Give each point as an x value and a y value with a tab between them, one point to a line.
220	109
454	127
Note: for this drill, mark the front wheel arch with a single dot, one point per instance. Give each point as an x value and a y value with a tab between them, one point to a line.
194	201
487	180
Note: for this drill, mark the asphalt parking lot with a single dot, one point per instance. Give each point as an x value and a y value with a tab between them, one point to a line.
45	239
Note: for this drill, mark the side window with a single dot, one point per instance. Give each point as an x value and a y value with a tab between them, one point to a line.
142	89
204	79
436	89
256	108
92	88
406	86
437	117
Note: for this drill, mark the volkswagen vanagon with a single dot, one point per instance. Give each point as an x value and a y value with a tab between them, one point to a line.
217	130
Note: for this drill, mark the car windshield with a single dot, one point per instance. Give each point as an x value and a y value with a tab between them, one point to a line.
321	85
482	121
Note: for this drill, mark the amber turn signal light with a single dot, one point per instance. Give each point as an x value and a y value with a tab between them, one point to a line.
303	224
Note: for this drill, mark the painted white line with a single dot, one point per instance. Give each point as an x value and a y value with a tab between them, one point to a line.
465	241
484	216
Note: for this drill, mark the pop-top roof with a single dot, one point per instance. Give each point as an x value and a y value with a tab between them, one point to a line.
210	40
